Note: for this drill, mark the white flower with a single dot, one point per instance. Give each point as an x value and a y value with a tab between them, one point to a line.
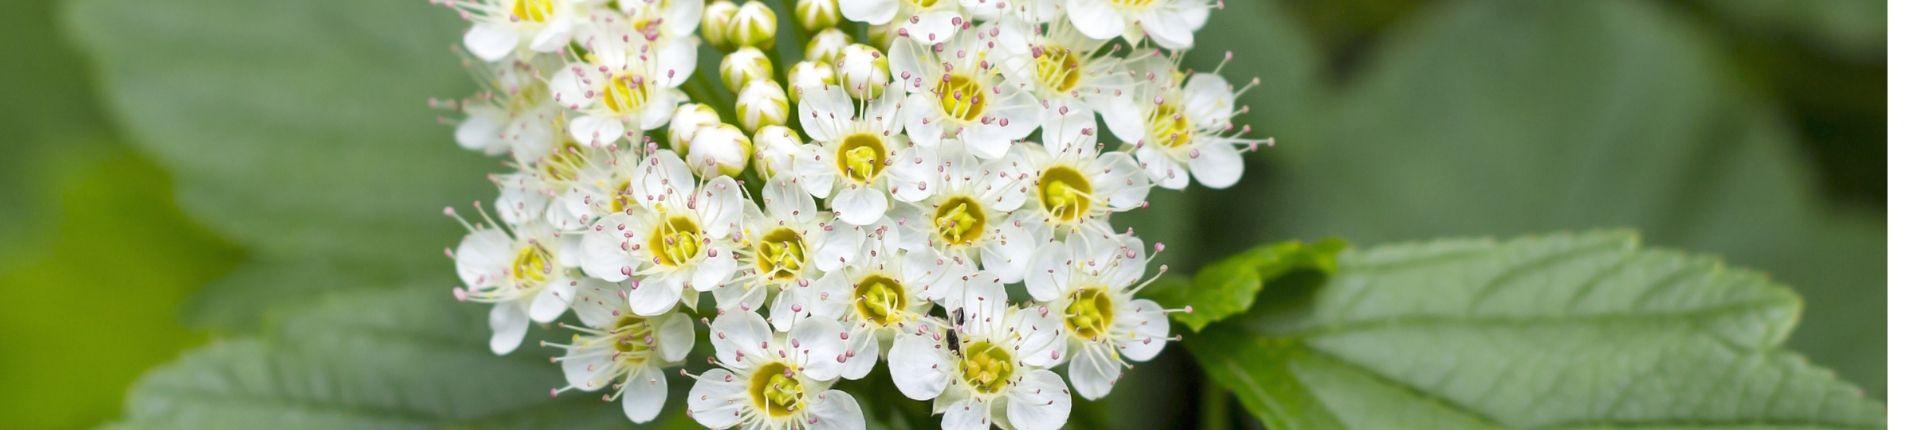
628	84
957	209
594	182
1171	23
783	244
958	92
521	273
1068	71
1189	129
720	150
875	292
854	151
926	22
628	353
1075	183
771	381
1091	284
515	115
501	26
862	71
999	372
761	103
675	242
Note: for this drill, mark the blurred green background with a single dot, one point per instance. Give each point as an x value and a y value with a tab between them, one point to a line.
1753	129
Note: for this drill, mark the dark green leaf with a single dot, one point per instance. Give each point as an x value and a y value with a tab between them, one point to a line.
1561	331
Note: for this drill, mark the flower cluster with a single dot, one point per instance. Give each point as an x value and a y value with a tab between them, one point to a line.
875	202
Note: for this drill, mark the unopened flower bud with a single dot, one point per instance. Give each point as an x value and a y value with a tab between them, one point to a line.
713	24
720	150
743	66
809	76
882	34
761	103
816	14
863	71
753	25
825	47
776	149
687	120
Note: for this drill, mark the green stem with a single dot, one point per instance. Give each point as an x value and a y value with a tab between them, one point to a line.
1215	413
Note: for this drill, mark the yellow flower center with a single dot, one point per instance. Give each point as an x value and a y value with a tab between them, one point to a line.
532	10
563	164
1133	4
531	266
775	391
624	93
622	197
632	339
1058	69
675	241
1169	127
879	299
860	157
1089	313
781	254
959	220
1066	193
987	368
961	97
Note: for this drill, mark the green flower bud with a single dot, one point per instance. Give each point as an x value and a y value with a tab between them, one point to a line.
863	71
720	150
825	47
713	24
761	103
809	76
882	34
753	25
743	66
816	14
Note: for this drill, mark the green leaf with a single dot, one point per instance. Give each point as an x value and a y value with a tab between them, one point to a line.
1228	287
1561	331
384	359
298	129
1499	117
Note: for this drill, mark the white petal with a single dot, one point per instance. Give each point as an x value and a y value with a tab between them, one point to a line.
1008	257
1121	179
491	41
1093	373
1040	402
1217	165
866	351
655	295
642	398
836	410
588	368
860	206
971	414
570	89
663	174
921	369
678	59
1049	273
1165	172
553	300
817	343
713	271
1167	29
481	130
1145	335
787	201
788	306
842	245
870	11
598	302
825	112
674	335
1208	101
596	130
717	399
509	323
1095	18
1123	118
483	256
932	27
601	255
1042	341
916	174
552	37
739	338
924	124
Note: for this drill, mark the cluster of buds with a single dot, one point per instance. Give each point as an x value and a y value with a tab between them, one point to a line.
936	199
